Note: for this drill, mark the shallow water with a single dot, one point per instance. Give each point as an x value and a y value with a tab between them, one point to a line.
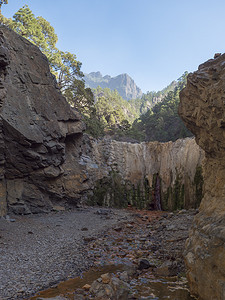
163	288
67	288
145	286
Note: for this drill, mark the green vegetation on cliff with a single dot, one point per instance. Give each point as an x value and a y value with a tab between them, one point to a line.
64	65
162	122
113	112
148	100
118	117
126	120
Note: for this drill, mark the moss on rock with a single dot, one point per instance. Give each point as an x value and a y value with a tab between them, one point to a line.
113	191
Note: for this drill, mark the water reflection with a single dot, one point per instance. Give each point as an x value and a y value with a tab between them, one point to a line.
144	286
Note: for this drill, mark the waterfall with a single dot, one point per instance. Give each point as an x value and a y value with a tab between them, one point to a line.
157	195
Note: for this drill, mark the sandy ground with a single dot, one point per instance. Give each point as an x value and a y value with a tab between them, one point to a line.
37	251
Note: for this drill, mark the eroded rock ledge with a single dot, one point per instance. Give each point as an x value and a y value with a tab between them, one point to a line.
203	110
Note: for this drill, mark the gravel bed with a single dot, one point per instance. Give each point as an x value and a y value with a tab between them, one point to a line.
38	251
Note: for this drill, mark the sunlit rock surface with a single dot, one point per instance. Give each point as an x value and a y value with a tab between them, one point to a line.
137	165
203	110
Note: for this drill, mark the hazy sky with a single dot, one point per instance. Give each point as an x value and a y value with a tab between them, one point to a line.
154	41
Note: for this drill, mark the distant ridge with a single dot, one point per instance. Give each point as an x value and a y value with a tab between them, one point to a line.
123	83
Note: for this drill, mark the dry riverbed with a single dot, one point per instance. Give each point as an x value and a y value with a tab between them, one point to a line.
38	251
130	255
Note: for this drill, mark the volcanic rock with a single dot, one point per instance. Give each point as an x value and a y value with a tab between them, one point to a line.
121	170
36	124
203	110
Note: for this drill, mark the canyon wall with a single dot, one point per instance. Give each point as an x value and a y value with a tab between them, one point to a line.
126	173
203	110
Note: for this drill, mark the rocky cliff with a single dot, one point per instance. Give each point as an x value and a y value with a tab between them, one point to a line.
36	126
123	83
127	173
203	110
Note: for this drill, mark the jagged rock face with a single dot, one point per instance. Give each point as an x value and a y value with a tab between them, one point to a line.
123	83
203	110
35	124
138	164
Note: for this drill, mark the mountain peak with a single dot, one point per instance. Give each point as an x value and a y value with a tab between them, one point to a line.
123	83
96	74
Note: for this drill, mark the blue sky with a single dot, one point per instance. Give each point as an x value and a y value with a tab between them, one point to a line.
154	41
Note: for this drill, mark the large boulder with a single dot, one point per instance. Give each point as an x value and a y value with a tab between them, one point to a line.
202	108
36	124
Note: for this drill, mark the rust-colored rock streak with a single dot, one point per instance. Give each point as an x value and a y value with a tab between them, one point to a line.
203	110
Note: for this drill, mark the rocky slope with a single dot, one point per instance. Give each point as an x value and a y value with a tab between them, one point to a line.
202	108
123	83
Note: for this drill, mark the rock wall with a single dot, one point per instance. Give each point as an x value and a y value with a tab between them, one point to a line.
203	110
36	125
130	169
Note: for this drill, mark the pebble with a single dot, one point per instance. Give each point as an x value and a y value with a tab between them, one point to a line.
9	219
86	287
84	229
118	229
129	225
144	264
105	278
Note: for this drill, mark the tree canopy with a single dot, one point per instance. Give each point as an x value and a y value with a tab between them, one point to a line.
1	3
162	122
113	111
64	65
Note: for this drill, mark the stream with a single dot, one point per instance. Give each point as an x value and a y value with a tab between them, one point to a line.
146	286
